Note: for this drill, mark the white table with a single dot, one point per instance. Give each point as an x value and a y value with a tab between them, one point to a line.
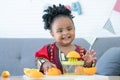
81	77
84	77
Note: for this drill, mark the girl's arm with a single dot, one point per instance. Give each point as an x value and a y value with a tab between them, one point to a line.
41	56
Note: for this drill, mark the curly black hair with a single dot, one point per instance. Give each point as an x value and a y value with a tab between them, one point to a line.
53	12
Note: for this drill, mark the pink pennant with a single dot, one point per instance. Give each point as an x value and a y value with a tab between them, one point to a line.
68	7
117	6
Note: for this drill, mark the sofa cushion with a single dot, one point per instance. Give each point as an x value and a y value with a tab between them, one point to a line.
101	45
109	63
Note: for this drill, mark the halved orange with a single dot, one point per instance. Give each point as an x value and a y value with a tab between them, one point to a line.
53	71
33	73
90	71
73	54
27	71
79	70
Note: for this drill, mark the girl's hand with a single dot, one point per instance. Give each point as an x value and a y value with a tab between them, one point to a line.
89	57
46	65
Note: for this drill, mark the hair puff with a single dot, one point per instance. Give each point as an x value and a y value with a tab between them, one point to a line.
53	12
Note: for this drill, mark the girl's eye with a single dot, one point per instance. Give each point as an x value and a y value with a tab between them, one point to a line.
59	31
69	29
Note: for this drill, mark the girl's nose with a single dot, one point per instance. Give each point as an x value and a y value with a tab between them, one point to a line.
65	32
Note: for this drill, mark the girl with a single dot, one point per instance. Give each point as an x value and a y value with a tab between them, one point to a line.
58	20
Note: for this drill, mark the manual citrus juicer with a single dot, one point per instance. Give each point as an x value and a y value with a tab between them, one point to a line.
72	63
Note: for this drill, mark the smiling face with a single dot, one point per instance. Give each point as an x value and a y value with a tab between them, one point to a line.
63	30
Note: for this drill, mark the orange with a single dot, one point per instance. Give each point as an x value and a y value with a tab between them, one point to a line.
5	74
26	71
33	73
90	71
79	70
53	71
73	54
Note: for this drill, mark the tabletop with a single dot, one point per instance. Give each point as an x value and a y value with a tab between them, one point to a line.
80	77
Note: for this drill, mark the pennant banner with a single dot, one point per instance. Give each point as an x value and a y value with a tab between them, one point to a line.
77	7
91	41
108	26
117	6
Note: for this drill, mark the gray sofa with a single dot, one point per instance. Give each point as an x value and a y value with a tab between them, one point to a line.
18	53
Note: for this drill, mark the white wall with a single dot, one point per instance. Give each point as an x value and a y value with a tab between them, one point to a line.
23	18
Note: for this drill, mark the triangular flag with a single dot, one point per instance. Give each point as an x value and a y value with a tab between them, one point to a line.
91	41
68	7
117	6
108	26
77	7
